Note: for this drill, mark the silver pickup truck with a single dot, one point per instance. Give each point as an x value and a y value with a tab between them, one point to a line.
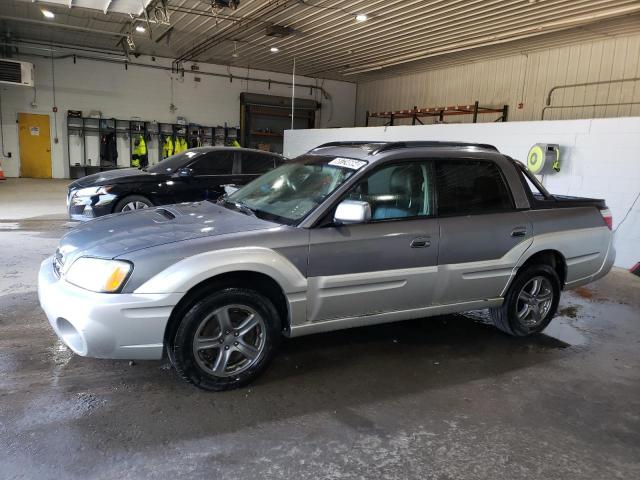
349	234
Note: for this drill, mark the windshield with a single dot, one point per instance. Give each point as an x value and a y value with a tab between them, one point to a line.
289	192
175	162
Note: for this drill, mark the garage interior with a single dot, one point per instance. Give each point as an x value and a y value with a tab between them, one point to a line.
448	397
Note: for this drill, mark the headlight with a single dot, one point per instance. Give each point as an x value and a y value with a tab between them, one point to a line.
90	191
98	275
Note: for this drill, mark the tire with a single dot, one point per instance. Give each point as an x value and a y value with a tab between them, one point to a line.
530	303
132	202
211	351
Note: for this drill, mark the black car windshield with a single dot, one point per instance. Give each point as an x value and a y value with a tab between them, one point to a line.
175	162
291	191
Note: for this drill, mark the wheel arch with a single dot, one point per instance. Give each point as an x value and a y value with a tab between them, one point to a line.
553	258
258	281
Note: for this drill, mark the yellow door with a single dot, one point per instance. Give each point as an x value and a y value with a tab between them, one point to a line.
35	145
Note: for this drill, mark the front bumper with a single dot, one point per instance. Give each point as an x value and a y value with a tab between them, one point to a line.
105	325
86	208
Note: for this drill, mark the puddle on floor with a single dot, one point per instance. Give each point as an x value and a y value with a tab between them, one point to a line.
561	329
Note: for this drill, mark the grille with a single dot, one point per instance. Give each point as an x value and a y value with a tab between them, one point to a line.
58	263
10	72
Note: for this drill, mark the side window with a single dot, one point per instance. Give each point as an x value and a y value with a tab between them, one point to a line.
396	191
255	163
214	163
468	187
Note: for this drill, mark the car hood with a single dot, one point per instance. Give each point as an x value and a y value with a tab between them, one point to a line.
111	177
118	234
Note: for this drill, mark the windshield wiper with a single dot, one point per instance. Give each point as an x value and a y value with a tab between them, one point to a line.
241	207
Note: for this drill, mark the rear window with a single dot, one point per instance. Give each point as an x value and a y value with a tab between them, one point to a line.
214	163
470	187
256	163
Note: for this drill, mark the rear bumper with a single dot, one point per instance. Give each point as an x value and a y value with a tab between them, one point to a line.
101	325
609	259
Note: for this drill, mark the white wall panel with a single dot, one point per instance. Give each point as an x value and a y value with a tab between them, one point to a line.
524	77
146	93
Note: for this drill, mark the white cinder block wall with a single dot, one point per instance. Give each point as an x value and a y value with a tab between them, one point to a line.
600	158
147	93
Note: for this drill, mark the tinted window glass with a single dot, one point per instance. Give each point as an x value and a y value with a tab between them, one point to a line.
256	163
470	187
214	163
171	164
396	191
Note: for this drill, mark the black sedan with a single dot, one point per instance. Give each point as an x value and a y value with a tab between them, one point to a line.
192	175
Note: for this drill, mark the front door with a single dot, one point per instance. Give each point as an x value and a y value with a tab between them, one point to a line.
482	235
387	264
35	145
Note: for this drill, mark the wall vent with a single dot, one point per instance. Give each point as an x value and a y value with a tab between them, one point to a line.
13	72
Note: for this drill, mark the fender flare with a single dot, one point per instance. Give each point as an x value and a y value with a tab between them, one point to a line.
189	272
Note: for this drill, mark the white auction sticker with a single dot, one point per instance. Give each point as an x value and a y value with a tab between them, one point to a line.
348	163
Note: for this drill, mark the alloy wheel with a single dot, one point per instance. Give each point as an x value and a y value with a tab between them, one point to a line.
137	205
534	301
229	340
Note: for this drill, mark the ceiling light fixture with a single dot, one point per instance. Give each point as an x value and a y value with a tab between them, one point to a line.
141	29
361	17
275	49
47	13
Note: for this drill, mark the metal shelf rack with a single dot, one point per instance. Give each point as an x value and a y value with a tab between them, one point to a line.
415	114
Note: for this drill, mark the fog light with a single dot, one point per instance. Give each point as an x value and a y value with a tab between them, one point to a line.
71	336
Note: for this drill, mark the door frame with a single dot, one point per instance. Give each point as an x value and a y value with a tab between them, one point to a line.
51	138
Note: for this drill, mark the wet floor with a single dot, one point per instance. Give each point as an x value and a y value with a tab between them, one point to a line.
443	398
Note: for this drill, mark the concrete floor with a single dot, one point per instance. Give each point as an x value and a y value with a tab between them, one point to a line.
445	398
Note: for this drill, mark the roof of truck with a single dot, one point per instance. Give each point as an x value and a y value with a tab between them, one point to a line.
372	151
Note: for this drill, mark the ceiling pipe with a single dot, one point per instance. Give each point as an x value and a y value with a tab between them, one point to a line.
587	84
125	62
59	25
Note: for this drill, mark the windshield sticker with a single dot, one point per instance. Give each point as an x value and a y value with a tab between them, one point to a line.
348	163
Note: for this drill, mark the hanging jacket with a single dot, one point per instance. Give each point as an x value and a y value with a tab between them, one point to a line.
108	150
139	155
180	145
167	147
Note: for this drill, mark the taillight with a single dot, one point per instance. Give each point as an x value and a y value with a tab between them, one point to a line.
608	218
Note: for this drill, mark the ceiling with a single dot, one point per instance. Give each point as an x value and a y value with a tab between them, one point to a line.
322	35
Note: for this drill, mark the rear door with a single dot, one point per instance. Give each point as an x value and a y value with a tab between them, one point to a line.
482	235
387	264
252	165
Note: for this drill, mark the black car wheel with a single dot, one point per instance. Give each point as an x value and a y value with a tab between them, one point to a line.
132	202
530	303
226	339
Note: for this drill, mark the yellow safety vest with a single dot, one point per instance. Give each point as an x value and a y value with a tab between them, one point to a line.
167	148
140	147
181	145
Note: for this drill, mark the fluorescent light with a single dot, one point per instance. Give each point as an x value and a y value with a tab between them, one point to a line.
47	13
275	49
361	17
141	29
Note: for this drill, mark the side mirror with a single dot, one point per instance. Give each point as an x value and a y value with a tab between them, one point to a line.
352	211
185	172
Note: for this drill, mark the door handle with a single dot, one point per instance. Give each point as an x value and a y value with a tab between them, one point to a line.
519	232
421	242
